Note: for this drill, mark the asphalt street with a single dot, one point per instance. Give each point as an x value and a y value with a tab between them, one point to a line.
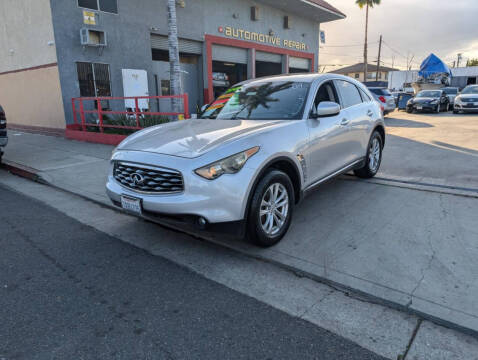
69	291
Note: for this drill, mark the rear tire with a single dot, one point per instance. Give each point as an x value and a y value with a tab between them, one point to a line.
271	208
373	158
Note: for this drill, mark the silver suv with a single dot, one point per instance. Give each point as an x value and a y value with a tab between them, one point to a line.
253	155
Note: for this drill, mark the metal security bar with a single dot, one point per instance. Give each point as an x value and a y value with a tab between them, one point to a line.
98	108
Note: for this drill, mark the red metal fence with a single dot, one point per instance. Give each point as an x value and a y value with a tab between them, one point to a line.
135	114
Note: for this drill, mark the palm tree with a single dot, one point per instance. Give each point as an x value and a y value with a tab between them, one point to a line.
367	4
174	65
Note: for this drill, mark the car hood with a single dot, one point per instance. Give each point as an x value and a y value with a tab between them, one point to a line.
424	100
468	96
192	138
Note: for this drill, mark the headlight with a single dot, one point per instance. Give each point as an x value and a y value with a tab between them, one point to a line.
410	102
434	102
229	165
458	99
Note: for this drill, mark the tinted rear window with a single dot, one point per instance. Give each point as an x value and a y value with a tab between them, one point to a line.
451	91
380	92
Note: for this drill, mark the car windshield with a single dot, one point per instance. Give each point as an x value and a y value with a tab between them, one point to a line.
451	91
265	100
470	90
429	94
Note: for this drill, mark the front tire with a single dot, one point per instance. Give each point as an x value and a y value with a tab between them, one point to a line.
373	158
271	209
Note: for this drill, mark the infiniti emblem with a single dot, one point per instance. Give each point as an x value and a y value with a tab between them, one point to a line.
138	179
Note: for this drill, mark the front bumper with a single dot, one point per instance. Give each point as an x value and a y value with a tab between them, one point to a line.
422	107
221	200
3	141
466	107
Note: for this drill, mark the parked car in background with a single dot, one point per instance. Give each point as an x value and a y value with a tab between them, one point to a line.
451	92
3	132
467	100
429	100
251	156
385	98
396	95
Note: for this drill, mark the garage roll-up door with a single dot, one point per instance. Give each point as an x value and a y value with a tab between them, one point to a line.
229	54
299	63
185	46
269	57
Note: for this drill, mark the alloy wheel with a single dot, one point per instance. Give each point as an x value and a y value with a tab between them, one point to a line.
374	155
274	209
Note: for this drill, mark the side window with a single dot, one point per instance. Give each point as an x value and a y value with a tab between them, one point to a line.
365	97
326	92
349	92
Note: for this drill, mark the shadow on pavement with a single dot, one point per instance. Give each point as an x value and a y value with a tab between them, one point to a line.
456	148
437	162
393	122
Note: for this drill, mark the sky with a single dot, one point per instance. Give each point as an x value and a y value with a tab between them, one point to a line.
409	28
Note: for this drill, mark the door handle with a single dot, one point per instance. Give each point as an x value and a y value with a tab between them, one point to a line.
370	113
344	121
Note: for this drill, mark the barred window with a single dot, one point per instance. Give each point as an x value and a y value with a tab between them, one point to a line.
94	79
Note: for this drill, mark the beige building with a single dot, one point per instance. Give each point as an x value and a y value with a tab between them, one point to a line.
28	66
357	72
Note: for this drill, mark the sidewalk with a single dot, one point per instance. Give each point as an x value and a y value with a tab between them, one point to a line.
409	249
73	166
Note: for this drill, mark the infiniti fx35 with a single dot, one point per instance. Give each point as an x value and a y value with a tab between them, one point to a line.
251	156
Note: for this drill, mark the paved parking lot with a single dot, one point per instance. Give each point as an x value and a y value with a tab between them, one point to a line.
410	248
432	148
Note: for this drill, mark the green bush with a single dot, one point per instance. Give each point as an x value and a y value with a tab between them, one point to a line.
127	120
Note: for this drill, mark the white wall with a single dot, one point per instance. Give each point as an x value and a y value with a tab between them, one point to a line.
25	30
396	79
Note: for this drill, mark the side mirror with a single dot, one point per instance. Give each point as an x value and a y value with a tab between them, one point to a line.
327	108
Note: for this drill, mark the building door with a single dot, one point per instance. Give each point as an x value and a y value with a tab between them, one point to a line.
229	67
268	64
135	83
298	65
190	57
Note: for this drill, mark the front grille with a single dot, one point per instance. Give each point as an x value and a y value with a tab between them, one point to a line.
148	178
468	100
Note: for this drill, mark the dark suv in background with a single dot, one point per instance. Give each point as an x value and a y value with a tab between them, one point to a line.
3	132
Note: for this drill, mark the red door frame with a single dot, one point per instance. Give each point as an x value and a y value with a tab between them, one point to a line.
218	40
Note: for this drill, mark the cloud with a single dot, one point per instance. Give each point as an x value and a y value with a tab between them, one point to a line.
409	27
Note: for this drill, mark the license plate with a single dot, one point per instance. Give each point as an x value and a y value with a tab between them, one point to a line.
419	107
131	205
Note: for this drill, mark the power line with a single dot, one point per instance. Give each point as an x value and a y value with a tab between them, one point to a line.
352	45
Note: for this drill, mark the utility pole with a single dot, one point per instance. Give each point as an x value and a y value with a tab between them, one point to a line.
391	73
378	62
459	59
409	65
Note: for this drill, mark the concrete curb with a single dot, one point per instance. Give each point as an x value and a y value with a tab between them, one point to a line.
34	175
23	171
